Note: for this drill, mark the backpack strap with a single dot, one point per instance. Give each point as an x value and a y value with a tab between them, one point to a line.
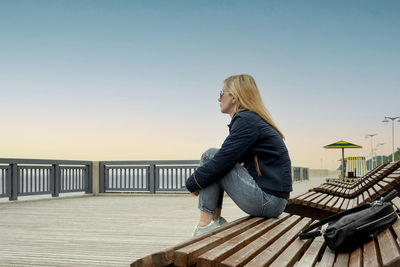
389	196
305	234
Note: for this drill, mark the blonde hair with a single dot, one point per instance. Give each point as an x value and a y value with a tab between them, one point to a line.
243	87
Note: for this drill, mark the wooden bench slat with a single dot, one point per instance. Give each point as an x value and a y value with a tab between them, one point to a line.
329	188
217	254
396	202
328	258
378	189
394	175
396	228
348	193
245	254
351	193
342	191
187	256
360	200
300	198
292	254
315	201
307	201
323	203
372	193
356	258
332	202
366	196
389	249
345	204
312	254
156	259
167	256
342	259
384	185
265	257
338	204
390	181
275	242
352	203
170	252
370	254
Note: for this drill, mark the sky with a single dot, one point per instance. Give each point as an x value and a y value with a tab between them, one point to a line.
139	80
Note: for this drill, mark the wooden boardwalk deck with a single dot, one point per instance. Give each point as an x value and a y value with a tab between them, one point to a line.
96	231
100	231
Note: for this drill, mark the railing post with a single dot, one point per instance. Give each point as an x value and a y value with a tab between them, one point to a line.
95	178
89	180
7	190
56	180
301	174
152	178
102	170
14	183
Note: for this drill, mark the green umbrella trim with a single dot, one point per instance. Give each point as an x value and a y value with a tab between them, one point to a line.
342	144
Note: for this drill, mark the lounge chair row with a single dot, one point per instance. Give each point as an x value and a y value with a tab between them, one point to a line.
255	241
354	189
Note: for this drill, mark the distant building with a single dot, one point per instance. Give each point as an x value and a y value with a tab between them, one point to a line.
354	167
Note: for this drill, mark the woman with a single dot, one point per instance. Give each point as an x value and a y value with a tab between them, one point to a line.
252	166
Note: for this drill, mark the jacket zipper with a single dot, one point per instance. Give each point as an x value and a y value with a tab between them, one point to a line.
257	166
374	221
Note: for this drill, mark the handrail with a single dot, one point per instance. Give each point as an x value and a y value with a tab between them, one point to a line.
22	177
43	161
145	176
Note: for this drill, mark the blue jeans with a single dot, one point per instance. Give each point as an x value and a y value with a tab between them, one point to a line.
242	189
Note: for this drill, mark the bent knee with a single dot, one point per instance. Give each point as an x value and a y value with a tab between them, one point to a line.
208	154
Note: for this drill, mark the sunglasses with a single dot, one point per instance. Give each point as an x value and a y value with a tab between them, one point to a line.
222	92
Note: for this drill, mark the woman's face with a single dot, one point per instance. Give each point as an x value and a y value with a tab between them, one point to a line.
227	102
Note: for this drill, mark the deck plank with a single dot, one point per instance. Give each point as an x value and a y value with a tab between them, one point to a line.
107	230
96	231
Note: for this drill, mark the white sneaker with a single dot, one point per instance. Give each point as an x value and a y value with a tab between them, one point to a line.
221	220
198	230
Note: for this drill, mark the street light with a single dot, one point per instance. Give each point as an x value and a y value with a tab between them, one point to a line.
372	151
385	120
377	146
375	151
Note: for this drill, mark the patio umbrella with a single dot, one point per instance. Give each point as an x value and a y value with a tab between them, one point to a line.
342	145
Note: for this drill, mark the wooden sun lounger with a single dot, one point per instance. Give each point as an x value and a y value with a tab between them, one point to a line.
341	183
255	241
354	189
318	204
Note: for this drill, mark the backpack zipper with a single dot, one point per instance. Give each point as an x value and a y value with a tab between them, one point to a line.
377	220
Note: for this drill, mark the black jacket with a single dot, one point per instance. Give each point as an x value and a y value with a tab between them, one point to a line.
255	143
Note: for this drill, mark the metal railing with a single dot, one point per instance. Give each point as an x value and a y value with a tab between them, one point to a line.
305	174
23	177
300	173
145	176
4	180
156	176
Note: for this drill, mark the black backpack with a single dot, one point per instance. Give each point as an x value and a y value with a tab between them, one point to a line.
352	228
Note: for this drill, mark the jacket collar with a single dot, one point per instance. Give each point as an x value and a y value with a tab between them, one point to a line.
235	116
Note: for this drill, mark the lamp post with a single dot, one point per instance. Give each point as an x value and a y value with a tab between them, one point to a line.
385	120
375	151
372	151
377	146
